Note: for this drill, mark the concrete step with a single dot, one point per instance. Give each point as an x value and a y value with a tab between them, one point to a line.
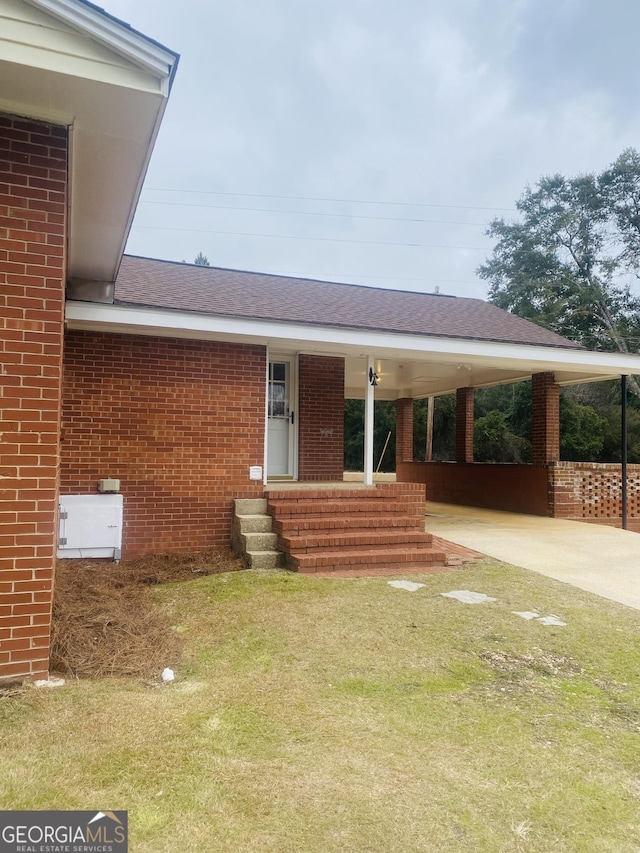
251	506
254	523
252	537
259	541
265	559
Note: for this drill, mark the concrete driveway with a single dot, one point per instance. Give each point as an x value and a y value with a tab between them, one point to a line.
593	557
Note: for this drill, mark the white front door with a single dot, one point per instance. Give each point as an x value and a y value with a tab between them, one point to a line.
280	418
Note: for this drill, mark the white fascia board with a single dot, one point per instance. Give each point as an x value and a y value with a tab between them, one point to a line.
110	32
296	337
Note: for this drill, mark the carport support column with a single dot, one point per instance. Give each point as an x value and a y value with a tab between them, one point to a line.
464	425
545	425
368	422
404	430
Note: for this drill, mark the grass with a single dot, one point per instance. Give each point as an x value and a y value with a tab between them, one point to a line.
345	715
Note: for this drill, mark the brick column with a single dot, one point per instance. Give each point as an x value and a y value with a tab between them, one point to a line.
404	430
464	425
545	427
33	185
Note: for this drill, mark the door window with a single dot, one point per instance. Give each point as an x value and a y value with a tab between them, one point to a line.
278	400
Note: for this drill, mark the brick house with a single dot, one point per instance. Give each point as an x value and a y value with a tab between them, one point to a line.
81	100
190	385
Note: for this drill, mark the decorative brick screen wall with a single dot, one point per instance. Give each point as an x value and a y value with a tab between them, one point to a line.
321	417
33	186
178	422
589	491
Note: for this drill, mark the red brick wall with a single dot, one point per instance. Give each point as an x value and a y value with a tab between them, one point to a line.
33	185
512	488
178	422
320	417
404	430
545	424
464	424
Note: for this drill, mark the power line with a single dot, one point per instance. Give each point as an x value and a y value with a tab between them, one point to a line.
321	198
298	237
312	213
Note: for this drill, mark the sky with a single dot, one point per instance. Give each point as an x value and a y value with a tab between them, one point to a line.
370	141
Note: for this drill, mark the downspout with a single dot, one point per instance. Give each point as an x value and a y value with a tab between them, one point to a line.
623	392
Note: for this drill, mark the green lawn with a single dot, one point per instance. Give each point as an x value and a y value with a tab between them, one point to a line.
325	716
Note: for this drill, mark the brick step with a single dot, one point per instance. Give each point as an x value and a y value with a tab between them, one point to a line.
387	571
320	509
337	523
342	559
354	530
355	539
409	491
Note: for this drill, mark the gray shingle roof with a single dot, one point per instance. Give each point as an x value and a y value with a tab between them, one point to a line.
251	295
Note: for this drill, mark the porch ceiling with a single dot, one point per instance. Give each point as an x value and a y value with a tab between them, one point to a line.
410	377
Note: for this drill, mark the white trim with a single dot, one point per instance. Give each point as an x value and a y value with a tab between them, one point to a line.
128	43
291	359
266	419
298	337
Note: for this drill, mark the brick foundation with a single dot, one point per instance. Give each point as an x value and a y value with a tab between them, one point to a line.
178	422
321	417
33	187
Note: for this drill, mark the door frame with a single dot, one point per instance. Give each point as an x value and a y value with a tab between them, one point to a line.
292	360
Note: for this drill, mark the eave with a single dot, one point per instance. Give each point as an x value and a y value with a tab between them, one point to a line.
68	63
408	365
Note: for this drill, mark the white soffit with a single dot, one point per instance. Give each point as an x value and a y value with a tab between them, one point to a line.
69	63
409	365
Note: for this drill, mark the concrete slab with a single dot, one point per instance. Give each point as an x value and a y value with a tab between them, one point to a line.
599	559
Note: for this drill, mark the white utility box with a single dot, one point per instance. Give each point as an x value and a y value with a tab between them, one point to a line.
90	526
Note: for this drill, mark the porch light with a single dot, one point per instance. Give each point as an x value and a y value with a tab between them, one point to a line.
373	377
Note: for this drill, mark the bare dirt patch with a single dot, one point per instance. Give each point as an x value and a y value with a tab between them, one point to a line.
105	622
540	663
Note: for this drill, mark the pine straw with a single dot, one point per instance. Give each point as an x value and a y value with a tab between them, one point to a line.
105	622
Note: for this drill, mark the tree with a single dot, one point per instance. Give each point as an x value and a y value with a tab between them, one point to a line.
384	422
202	260
566	263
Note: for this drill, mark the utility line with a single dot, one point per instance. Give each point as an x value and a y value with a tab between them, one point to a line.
313	213
297	237
321	198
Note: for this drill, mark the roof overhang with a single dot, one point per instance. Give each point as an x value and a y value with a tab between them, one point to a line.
408	365
69	63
